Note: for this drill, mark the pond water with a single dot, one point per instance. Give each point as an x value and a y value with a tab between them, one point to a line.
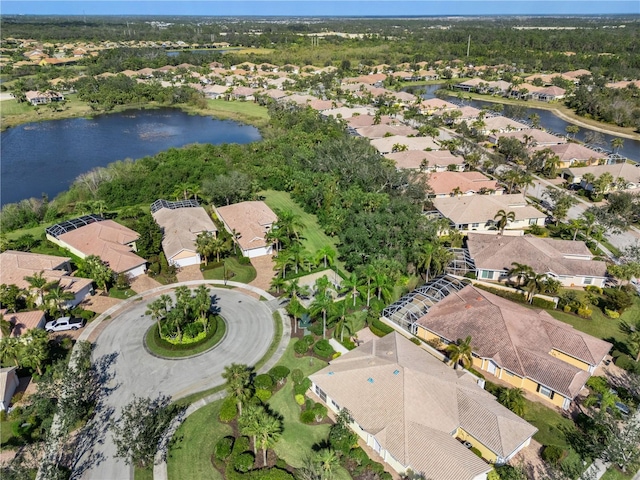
45	158
549	121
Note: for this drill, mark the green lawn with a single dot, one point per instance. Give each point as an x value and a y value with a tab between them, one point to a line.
246	112
235	271
313	237
308	365
190	456
121	294
613	473
549	422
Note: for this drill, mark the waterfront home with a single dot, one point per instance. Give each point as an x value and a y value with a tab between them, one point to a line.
248	223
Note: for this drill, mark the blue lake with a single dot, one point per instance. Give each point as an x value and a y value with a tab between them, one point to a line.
46	157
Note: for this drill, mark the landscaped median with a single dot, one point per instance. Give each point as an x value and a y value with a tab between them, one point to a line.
164	348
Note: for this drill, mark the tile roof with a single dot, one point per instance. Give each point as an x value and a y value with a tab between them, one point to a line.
22	321
630	172
251	220
413	404
482	208
108	240
544	255
517	338
379	131
412	159
573	151
443	183
385	144
180	228
537	136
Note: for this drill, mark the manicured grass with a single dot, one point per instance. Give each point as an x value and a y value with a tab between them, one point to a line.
308	365
550	424
163	349
613	473
275	343
6	434
313	237
190	456
235	271
121	294
143	473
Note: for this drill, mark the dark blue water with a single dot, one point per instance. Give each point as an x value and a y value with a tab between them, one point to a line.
549	121
46	157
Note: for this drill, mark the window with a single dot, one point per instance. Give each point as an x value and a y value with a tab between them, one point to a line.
545	391
533	221
335	405
321	394
486	274
588	280
507	373
475	225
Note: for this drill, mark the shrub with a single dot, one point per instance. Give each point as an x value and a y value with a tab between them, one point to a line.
553	454
244	260
319	411
223	448
269	474
611	313
376	332
17	397
15	413
598	384
584	312
380	325
244	462
359	456
309	339
307	416
567	309
297	376
241	445
625	362
416	340
302	387
316	328
476	451
228	410
323	348
300	347
335	355
3	415
594	289
263	394
618	299
263	382
542	303
299	399
279	374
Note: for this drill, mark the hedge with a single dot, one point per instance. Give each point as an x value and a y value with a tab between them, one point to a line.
297	376
300	347
323	349
223	448
244	462
263	382
542	303
509	295
269	474
241	445
228	410
279	374
377	332
380	325
302	387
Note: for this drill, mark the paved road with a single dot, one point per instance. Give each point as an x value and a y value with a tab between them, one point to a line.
130	370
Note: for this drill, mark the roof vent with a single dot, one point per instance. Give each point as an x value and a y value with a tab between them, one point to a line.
370	380
329	373
479	299
467	306
390	352
396	372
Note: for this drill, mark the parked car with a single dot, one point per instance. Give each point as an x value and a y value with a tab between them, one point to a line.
64	323
622	408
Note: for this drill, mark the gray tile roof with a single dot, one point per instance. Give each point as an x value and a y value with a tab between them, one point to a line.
414	404
483	208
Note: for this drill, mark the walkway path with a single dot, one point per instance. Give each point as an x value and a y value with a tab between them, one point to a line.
130	370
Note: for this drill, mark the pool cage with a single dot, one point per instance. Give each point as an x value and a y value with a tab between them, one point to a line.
159	204
67	226
414	305
461	264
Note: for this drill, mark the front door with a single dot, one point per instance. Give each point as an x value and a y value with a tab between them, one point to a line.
491	368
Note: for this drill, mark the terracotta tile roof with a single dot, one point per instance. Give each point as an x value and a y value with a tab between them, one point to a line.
537	136
628	171
251	221
360	121
517	338
573	151
482	208
108	240
413	404
23	321
180	228
443	183
544	255
379	131
503	123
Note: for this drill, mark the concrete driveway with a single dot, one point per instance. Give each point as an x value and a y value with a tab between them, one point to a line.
128	370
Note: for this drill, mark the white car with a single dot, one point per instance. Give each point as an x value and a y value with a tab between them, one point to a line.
64	323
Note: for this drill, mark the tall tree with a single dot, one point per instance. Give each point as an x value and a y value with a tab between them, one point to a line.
350	285
238	378
40	284
268	432
504	218
461	352
513	399
57	299
321	304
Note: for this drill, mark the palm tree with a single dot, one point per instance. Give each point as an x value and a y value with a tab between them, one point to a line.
321	285
461	352
535	284
520	271
572	130
617	143
351	284
157	310
328	461
366	277
38	282
249	422
57	298
382	285
513	399
425	256
576	226
35	350
238	385
276	236
294	289
182	190
633	332
289	222
11	348
589	179
589	221
348	323
268	432
327	254
218	247
321	304
277	283
297	255
204	243
504	218
442	256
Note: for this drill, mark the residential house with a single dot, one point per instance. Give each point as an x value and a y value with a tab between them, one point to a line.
348	112
360	121
449	184
549	94
530	137
22	322
8	384
626	176
478	212
573	153
501	124
15	266
115	244
415	411
389	144
436	106
246	94
181	223
427	161
248	223
380	131
215	91
569	262
525	348
42	98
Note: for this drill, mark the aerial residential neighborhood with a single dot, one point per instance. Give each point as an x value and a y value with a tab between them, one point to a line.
318	247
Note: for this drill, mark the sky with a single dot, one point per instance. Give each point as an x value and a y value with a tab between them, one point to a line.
319	7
